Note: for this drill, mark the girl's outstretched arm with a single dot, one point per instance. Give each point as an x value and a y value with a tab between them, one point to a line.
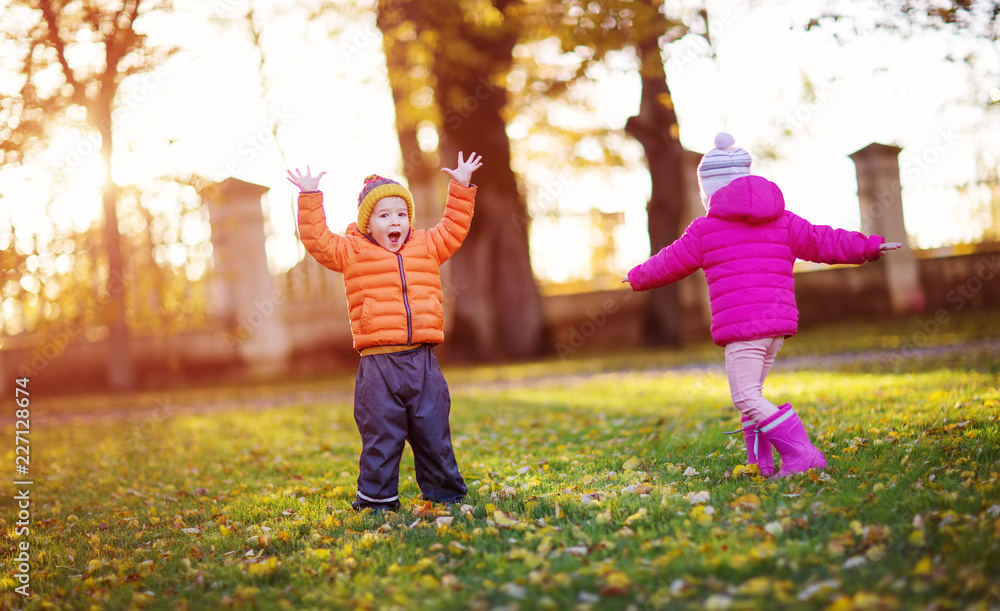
671	264
824	244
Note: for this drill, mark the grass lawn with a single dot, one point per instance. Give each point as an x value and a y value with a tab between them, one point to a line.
599	483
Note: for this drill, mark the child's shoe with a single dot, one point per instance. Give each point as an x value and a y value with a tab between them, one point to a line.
758	447
453	500
785	432
360	505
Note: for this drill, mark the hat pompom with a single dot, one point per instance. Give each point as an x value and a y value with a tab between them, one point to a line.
724	140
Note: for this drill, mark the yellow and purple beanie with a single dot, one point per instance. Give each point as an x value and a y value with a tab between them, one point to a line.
375	188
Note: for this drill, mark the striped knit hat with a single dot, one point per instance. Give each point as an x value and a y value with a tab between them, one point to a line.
375	188
721	165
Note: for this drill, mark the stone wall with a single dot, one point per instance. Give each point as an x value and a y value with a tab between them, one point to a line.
269	327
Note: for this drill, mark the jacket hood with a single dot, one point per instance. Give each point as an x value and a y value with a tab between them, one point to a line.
749	199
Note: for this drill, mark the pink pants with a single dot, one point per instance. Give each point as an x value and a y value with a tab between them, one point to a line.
747	364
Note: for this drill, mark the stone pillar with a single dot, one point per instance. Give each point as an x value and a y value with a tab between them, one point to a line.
247	303
880	196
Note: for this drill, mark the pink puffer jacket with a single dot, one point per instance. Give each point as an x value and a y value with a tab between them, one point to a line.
747	244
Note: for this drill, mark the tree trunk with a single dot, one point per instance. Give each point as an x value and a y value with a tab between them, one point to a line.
498	310
424	180
422	176
656	129
497	306
121	376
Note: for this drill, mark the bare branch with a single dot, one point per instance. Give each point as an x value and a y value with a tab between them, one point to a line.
49	14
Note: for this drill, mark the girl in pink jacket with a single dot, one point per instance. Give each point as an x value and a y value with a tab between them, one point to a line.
747	244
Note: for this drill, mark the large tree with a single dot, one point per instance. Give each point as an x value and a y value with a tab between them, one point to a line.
465	57
590	31
466	53
656	128
75	57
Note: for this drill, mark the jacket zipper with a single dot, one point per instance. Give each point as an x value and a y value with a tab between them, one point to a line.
406	302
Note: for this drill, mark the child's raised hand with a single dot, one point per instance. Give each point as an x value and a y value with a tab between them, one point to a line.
884	246
305	182
463	173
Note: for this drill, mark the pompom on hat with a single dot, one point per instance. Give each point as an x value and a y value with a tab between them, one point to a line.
375	188
722	165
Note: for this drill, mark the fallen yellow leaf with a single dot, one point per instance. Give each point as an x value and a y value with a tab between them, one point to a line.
631	464
329	522
428	582
923	568
747	501
635	517
503	520
263	569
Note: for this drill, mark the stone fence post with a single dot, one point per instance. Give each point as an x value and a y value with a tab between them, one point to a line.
881	201
247	302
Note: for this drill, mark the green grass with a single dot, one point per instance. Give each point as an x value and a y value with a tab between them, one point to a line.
250	508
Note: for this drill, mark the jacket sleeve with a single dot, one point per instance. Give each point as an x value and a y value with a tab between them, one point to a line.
327	247
671	264
824	244
444	238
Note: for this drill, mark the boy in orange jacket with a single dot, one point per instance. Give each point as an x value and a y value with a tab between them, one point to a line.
393	281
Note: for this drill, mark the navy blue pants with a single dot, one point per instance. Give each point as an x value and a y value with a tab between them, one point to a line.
403	396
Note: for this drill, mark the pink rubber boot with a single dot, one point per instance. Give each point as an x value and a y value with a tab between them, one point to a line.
785	432
758	447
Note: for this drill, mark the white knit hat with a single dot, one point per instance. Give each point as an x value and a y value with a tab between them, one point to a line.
721	165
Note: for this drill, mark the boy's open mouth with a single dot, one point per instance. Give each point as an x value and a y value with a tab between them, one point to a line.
394	237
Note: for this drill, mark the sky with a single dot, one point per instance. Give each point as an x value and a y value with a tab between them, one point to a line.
205	112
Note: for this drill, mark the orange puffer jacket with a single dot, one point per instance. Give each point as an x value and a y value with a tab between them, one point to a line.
392	298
